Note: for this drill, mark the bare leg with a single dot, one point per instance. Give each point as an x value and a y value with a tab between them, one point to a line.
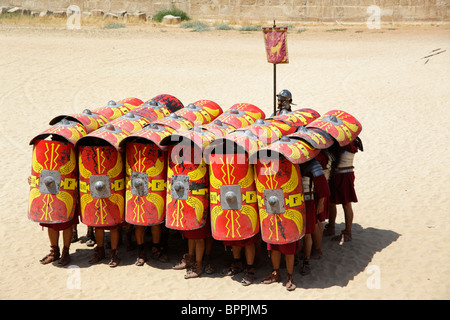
115	237
140	239
330	227
53	236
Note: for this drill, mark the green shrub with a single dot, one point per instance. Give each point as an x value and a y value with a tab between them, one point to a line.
250	28
174	12
196	26
114	26
223	26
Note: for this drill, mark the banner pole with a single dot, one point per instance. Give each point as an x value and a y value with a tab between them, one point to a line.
274	82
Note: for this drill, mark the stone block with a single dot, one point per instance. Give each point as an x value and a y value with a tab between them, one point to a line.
169	19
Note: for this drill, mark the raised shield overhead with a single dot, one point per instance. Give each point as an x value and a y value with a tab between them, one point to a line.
116	109
54	175
200	112
315	137
241	115
297	118
341	125
158	107
280	199
91	121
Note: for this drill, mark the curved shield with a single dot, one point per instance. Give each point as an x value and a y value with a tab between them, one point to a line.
169	102
158	107
152	133
146	173
54	182
91	121
234	208
65	130
218	128
54	174
269	131
315	137
102	185
176	122
130	122
298	118
341	125
280	200
200	112
295	150
241	115
114	110
187	188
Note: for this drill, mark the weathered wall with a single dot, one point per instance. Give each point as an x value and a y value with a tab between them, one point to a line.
265	10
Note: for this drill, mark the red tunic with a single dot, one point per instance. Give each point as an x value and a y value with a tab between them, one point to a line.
342	185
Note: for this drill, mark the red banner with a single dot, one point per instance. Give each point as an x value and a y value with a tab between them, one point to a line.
276	44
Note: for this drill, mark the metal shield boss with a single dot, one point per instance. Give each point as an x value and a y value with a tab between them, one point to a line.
54	182
146	173
102	185
233	201
280	200
187	187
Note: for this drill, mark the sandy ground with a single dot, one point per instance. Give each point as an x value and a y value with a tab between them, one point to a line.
400	247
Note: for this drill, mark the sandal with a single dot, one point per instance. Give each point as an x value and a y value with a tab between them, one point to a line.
65	257
234	269
290	285
249	277
52	256
74	236
306	268
273	277
157	253
114	261
99	255
328	231
185	263
194	272
209	269
345	236
316	254
141	259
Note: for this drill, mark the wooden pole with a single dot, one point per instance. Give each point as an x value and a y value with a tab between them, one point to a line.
274	82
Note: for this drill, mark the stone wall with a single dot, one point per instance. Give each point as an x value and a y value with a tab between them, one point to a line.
391	11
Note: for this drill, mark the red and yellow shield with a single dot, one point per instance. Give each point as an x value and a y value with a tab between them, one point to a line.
54	174
280	200
200	112
116	109
234	208
54	182
295	150
102	185
91	121
341	125
298	118
187	188
146	173
241	115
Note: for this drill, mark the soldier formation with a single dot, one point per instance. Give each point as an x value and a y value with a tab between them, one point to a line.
233	176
